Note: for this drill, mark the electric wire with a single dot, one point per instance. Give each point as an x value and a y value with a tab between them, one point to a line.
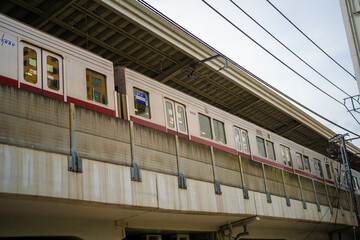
271	54
297	56
275	89
311	40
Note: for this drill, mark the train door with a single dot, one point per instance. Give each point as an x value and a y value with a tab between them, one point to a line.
175	116
41	71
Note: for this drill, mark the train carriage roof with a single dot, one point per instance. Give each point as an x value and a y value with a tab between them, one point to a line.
134	35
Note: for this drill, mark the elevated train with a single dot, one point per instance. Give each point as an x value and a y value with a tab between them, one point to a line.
40	63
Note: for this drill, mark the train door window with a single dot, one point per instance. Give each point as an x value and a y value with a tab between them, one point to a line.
299	161
245	141
175	116
328	170
318	168
337	175
270	150
30	65
141	103
238	139
306	163
356	184
219	131
343	178
241	140
96	86
205	126
181	117
285	155
170	114
261	147
52	72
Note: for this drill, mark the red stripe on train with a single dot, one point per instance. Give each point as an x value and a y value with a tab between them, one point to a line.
91	106
8	81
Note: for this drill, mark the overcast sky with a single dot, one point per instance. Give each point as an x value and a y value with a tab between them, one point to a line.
321	20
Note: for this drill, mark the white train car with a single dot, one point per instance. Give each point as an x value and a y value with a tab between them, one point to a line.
38	62
158	106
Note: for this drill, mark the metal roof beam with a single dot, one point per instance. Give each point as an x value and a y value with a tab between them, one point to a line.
57	9
174	70
242	108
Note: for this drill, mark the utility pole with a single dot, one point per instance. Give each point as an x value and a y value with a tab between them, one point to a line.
341	139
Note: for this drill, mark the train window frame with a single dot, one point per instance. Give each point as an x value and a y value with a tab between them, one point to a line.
344	178
263	152
170	119
271	154
31	61
356	183
239	140
53	73
286	160
219	131
142	97
318	168
337	174
94	92
328	170
299	161
181	123
306	162
205	132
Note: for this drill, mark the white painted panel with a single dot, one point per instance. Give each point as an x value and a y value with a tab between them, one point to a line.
8	53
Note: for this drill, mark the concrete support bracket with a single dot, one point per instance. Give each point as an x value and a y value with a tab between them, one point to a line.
182	181
268	196
304	203
135	170
74	161
181	177
217	185
245	191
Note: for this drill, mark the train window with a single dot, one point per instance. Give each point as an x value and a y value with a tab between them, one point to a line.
141	103
285	155
270	150
261	147
169	114
181	118
96	86
52	65
241	140
245	141
219	131
337	175
356	184
328	170
318	168
344	179
30	65
306	164
299	161
205	126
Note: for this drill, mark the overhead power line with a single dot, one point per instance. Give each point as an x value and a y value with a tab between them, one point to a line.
311	40
302	60
275	89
